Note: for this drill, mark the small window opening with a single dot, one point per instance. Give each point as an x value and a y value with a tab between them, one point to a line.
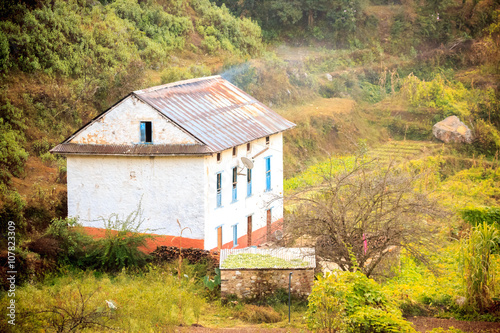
249	182
219	190
235	183
248	146
146	132
235	235
267	141
234	151
268	173
218	157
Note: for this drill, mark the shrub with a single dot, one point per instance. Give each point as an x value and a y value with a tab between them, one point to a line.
350	301
478	215
120	246
72	241
486	138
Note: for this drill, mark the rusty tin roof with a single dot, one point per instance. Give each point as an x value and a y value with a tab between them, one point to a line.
211	109
134	150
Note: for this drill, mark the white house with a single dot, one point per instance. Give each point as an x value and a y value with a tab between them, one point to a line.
177	149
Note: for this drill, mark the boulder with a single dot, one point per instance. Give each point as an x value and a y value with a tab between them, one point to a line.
452	129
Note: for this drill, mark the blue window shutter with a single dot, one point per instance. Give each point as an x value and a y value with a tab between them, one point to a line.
143	132
219	190
235	235
249	182
268	174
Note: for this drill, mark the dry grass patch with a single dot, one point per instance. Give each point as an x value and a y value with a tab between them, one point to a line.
258	314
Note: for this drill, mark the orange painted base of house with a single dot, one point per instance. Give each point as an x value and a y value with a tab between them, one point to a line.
157	240
259	236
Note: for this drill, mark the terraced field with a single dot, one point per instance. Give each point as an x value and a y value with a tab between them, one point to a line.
400	151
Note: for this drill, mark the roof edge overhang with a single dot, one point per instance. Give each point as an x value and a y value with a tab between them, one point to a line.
131	150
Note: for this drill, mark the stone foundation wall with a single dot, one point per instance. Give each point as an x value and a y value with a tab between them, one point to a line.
256	283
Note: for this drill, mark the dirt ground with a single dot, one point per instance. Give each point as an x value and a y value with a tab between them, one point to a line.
422	324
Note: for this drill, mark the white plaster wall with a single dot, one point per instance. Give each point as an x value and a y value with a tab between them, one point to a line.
170	188
256	205
121	125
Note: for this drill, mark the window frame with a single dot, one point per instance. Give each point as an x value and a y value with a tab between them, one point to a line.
268	173
235	184
249	182
144	134
235	235
218	187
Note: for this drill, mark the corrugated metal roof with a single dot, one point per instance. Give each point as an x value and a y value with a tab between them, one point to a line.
211	109
139	150
214	111
302	254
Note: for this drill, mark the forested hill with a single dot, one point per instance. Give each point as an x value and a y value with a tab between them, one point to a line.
64	62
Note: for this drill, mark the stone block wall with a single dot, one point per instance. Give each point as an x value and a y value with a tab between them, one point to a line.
256	283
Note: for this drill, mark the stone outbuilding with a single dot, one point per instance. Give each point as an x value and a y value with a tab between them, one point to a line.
262	277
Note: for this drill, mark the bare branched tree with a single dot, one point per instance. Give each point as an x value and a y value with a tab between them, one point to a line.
359	215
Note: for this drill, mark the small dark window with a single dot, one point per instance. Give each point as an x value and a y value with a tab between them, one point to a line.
267	141
248	146
235	151
218	157
146	132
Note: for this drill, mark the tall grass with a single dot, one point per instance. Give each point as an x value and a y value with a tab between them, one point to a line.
478	267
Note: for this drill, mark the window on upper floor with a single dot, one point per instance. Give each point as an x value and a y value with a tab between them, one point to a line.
146	132
218	157
249	147
268	173
235	183
267	141
219	190
249	182
235	151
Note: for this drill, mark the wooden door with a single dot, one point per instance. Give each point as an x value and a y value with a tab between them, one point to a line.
268	225
219	238
249	231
